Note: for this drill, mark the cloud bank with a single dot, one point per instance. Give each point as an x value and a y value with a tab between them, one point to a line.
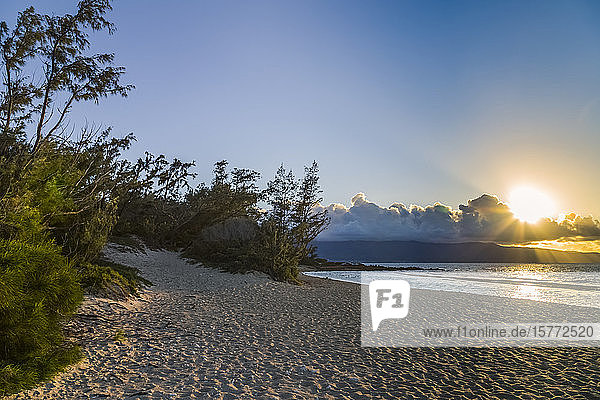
483	219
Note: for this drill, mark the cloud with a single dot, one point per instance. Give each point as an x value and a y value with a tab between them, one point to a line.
485	218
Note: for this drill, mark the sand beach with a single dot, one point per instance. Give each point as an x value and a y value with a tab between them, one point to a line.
200	333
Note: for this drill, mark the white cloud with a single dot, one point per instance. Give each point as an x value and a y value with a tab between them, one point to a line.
481	219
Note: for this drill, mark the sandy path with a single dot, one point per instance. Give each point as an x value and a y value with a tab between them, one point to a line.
200	333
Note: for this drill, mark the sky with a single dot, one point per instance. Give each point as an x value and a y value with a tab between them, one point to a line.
411	102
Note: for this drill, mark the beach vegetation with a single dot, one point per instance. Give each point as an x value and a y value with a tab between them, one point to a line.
232	232
64	193
120	337
39	291
60	193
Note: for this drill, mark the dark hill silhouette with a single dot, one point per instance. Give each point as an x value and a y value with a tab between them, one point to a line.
476	252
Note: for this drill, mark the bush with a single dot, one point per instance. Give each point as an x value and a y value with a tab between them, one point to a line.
275	254
111	280
228	230
38	291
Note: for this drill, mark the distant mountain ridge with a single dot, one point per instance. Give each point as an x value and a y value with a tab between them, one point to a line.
420	252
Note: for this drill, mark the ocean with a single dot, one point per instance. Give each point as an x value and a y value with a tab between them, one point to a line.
572	284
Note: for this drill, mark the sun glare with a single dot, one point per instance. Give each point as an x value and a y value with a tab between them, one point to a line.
530	205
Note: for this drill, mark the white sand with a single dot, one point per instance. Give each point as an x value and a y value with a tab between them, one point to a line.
201	333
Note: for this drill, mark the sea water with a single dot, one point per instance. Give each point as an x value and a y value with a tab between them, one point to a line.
572	284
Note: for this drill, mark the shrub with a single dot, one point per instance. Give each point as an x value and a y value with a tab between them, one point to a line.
38	290
276	254
229	231
111	280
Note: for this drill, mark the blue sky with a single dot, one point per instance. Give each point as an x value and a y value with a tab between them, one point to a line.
412	102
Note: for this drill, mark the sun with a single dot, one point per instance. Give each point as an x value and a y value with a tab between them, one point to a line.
529	204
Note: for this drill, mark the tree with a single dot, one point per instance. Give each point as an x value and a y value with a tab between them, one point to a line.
80	186
281	195
59	43
292	223
150	204
230	196
58	196
71	182
308	223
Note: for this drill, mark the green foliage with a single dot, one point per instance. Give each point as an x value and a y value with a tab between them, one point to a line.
120	337
307	220
59	197
18	220
74	186
62	197
283	233
152	207
38	291
291	224
74	189
15	377
111	280
276	253
235	256
230	196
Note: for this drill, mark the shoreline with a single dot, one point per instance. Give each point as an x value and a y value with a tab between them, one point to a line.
201	333
343	266
496	286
